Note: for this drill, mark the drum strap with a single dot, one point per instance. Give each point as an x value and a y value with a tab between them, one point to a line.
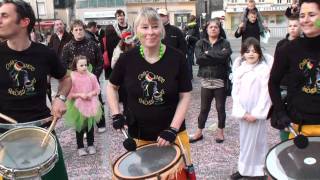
37	123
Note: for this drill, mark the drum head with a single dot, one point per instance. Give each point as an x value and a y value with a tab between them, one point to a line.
286	161
21	149
146	161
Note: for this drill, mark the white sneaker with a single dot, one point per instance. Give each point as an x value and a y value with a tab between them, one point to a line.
101	130
92	150
82	152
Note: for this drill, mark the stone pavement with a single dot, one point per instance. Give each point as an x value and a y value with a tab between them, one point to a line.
212	161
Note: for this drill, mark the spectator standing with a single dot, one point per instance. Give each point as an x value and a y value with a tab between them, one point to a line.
251	5
192	36
293	10
250	28
59	38
113	35
56	42
173	36
213	54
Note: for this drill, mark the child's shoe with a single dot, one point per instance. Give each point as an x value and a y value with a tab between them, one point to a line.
92	150
82	152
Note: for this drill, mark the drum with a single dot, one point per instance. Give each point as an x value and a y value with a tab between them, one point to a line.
21	154
286	161
152	163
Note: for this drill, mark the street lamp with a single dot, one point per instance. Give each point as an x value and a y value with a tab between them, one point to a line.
37	6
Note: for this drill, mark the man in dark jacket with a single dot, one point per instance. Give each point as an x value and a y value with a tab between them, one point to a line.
251	29
60	38
174	36
90	34
57	41
192	36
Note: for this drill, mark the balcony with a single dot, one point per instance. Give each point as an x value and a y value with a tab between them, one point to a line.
156	1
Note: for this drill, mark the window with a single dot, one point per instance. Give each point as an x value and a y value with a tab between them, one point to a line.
41	8
99	3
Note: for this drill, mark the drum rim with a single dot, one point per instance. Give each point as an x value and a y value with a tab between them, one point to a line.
173	163
271	149
10	172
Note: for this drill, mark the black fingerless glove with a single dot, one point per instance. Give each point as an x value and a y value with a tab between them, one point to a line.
169	134
283	119
118	121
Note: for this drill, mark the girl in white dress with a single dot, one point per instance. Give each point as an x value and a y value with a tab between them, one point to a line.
251	103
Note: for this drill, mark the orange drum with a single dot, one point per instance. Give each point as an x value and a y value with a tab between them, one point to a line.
286	161
151	162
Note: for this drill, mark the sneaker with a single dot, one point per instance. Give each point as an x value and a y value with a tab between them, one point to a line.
82	152
236	176
101	130
91	150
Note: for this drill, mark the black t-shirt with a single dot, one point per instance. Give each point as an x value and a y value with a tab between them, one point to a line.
23	81
152	90
300	61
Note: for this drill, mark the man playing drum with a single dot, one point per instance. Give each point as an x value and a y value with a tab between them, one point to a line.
24	66
301	61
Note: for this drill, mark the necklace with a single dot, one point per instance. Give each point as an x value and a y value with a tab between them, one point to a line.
161	51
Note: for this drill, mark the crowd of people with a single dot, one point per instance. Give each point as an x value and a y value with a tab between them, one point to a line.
148	68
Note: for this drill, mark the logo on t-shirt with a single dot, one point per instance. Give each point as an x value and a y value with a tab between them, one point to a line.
22	83
152	94
311	71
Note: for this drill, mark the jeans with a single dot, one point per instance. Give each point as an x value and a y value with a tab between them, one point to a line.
207	96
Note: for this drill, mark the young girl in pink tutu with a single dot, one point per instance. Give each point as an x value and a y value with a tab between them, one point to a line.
83	107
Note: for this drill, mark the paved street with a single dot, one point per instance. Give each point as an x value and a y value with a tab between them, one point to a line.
211	160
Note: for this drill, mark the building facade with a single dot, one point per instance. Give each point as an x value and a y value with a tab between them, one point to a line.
272	11
44	12
179	10
100	11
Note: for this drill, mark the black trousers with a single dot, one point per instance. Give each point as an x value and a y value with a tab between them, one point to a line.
102	122
90	137
207	96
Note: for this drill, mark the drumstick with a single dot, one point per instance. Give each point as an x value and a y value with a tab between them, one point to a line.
7	118
184	152
53	124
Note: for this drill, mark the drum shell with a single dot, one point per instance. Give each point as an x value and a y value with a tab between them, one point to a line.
174	171
35	171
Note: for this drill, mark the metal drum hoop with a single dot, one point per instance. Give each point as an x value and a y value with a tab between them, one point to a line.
41	169
174	162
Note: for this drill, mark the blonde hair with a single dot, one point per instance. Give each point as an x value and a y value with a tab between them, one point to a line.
150	14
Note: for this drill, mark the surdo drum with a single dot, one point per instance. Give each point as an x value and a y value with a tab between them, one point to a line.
21	154
286	161
152	163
